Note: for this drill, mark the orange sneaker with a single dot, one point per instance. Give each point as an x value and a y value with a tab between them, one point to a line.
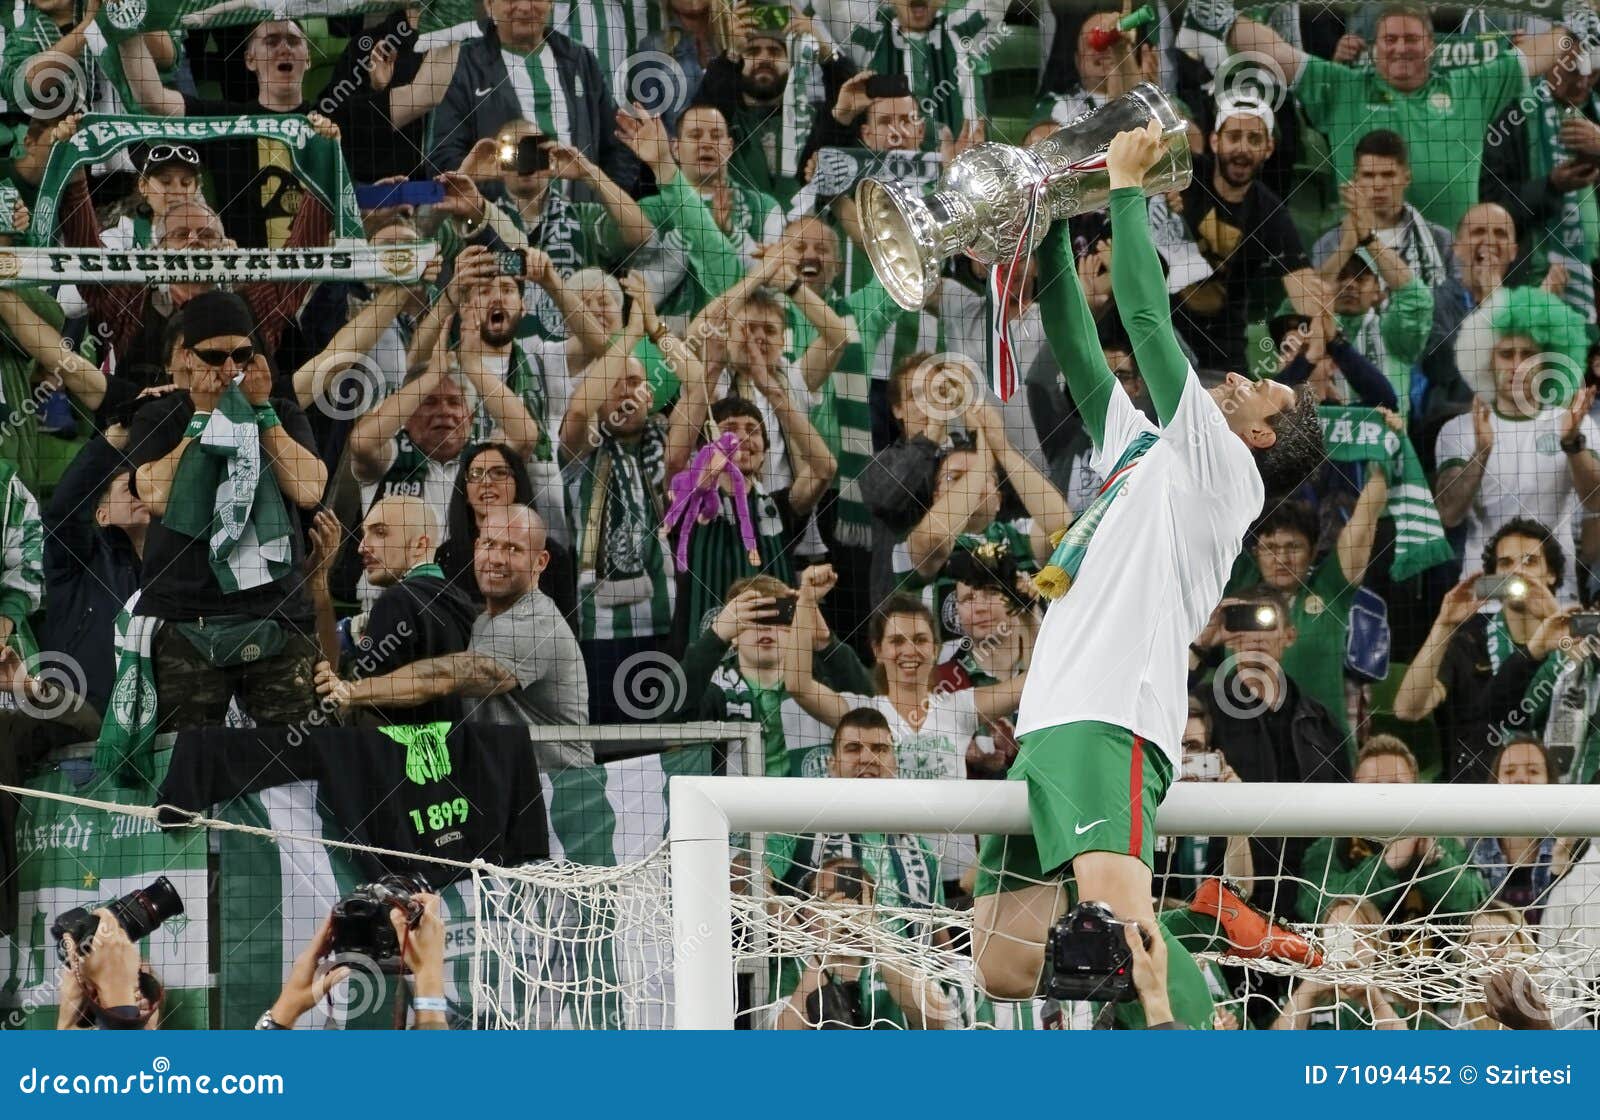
1251	933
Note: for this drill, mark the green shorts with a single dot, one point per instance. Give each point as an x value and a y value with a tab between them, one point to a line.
1092	787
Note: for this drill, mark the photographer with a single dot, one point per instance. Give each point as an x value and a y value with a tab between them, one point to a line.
421	951
102	983
840	988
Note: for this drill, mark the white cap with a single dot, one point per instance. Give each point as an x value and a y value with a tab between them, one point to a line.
1244	105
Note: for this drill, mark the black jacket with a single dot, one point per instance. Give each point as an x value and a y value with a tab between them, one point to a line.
89	572
1319	755
481	98
420	617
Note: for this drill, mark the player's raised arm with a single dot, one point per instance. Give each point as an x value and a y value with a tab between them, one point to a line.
1070	329
1137	280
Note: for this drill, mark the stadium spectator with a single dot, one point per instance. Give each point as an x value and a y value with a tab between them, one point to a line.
1539	163
934	48
734	670
522	664
987	642
1403	879
1442	116
412	442
934	729
1521	869
1269	729
94	536
1559	704
703	149
104	986
841	987
233	621
1455	673
491	476
1097	73
521	69
694	33
717	549
1244	232
418	613
1321	592
1528	449
616	447
1350	927
257	195
766	100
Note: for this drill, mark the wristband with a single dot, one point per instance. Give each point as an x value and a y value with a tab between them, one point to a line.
197	424
429	1003
1367	241
793	288
268	1023
267	416
1575	444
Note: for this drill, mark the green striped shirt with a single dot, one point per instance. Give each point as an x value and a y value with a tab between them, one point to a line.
612	29
717	557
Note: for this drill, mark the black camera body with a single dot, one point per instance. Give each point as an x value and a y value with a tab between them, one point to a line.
361	925
139	913
1089	956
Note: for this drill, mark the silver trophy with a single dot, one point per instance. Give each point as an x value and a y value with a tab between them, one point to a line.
981	204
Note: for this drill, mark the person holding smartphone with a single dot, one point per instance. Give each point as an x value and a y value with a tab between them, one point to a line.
1485	645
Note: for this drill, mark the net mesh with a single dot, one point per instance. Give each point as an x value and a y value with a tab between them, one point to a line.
841	932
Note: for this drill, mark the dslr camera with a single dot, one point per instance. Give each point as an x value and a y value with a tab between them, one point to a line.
1089	956
361	923
138	912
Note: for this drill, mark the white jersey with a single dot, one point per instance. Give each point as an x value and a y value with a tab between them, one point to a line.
1527	475
1115	648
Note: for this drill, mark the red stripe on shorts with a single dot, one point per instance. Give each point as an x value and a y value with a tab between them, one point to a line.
1135	795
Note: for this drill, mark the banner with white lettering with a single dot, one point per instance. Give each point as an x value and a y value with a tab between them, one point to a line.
395	263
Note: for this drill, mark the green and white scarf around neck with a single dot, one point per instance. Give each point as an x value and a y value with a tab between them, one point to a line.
621	509
1571	236
1359	435
125	751
525	377
933	62
316	161
1497	637
1055	578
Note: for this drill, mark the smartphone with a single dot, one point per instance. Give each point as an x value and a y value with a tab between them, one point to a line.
848	880
1500	587
888	85
769	17
420	192
512	262
1584	624
783	611
532	154
1202	766
1241	618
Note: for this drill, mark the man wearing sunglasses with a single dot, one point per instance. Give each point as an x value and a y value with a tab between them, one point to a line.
135	316
258	643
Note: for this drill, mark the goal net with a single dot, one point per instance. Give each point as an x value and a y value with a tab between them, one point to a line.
807	902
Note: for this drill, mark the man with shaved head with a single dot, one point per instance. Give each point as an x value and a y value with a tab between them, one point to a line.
523	664
417	614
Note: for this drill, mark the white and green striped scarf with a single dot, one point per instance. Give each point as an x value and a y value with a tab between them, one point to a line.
21	558
1571	236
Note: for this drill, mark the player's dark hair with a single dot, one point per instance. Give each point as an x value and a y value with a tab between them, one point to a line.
1298	449
1290	517
864	719
1383	142
1555	560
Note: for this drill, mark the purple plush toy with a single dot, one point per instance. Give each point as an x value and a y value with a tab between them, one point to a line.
695	500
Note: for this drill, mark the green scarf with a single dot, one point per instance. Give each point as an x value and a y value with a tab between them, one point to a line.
1359	435
526	379
1574	698
120	19
1498	640
838	171
619	542
1571	235
318	163
224	491
1072	544
126	748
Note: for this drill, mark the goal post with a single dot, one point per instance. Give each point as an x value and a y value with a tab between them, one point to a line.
705	812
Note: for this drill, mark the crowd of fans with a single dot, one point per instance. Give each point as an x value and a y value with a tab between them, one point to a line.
649	404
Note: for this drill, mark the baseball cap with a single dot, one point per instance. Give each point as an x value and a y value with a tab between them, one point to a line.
1244	105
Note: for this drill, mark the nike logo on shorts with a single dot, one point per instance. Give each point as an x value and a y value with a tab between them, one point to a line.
1080	829
483	92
